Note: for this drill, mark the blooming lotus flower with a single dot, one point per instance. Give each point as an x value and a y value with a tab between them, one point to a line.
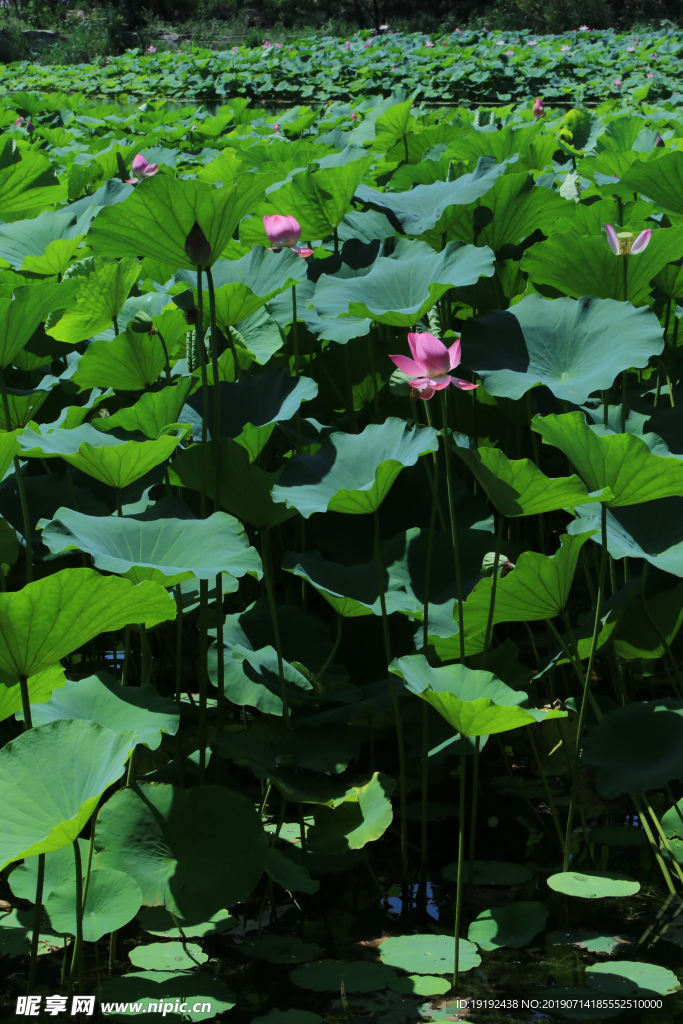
284	233
623	243
584	28
532	42
538	110
500	42
278	46
567	47
19	121
347	45
151	49
431	365
630	49
266	44
429	43
141	169
509	53
384	28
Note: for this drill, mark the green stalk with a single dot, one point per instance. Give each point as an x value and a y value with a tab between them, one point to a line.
546	787
425	640
587	683
203	674
35	934
475	805
201	350
494	582
395	704
624	260
78	958
21	490
454	531
167	361
216	434
267	559
461	857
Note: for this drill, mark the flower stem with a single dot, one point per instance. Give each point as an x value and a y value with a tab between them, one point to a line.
461	857
267	558
454	531
395	703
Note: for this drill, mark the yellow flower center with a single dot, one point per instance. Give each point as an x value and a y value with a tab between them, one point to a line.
626	240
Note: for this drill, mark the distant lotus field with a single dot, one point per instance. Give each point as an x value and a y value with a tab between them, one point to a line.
341	536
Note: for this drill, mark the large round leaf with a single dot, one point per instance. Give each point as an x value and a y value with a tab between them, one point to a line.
157	218
513	925
195	850
474	703
40	688
400	289
636	748
60	869
51	779
631	977
139	710
592	885
428	954
621	462
52	617
167	551
112	900
653	531
103	285
21	314
566	344
353	472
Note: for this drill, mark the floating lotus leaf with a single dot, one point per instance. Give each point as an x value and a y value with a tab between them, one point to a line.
564	344
514	925
593	885
168	956
428	954
632	977
113	899
152	988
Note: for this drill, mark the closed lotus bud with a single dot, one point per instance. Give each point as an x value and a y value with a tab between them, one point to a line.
659	141
504	564
538	110
142	323
197	248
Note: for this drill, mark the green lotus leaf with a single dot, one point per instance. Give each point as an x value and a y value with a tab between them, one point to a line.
60	868
21	314
244	488
636	748
244	286
318	199
158	921
195	850
354	975
428	954
101	698
157	218
23	406
661	180
593	885
151	413
103	456
168	956
584	265
28	180
251	407
514	925
425	206
103	285
400	289
165	550
54	616
653	531
40	688
287	869
51	780
621	462
353	472
364	816
631	977
474	703
516	487
16	930
9	447
153	988
537	588
112	900
565	344
131	362
252	678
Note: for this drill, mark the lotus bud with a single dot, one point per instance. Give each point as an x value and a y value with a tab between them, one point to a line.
142	323
538	109
197	248
659	141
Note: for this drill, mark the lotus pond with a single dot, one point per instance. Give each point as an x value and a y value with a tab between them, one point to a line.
341	548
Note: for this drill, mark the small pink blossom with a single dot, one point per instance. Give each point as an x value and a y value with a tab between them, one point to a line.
567	47
630	49
284	233
354	115
366	46
617	83
384	28
532	42
509	53
538	110
19	121
429	43
141	169
151	49
584	28
347	45
278	46
235	49
431	365
500	42
266	44
276	127
649	75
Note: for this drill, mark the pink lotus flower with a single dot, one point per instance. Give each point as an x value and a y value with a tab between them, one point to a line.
617	83
532	42
630	49
141	169
623	243
151	49
538	110
19	121
266	44
509	53
354	115
276	127
584	28
500	42
278	46
284	233
567	47
429	43
235	49
649	75
431	365
367	45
